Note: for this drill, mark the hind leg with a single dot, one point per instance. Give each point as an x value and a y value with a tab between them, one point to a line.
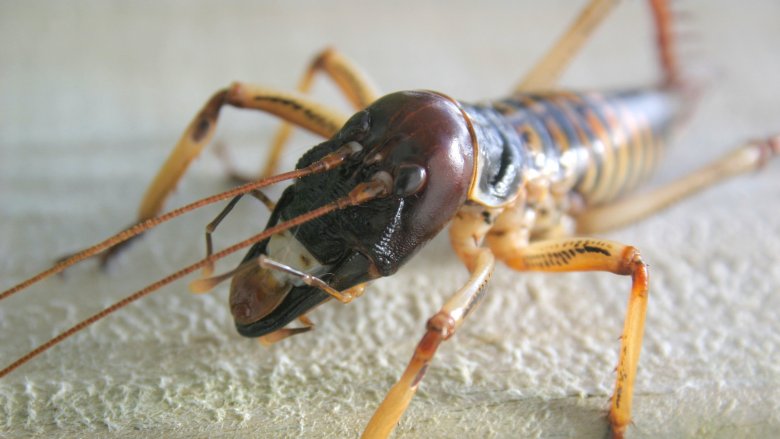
545	73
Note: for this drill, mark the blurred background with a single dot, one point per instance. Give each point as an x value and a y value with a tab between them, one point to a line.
93	95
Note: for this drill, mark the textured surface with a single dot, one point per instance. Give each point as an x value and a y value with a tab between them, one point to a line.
93	93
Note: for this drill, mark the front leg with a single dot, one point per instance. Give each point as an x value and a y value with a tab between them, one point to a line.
467	233
439	328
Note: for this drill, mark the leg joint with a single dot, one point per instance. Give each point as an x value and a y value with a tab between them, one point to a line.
441	323
767	149
322	58
631	262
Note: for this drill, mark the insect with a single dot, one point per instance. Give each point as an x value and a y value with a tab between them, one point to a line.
456	338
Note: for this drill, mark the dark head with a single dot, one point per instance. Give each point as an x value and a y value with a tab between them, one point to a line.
420	142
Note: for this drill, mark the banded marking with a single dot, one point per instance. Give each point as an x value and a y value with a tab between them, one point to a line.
588	141
636	144
546	106
618	139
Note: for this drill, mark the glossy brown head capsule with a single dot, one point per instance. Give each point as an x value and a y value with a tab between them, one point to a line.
421	142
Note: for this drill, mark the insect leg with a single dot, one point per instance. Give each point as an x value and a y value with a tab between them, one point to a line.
665	37
466	233
348	77
746	158
440	327
293	108
290	107
212	226
546	71
585	254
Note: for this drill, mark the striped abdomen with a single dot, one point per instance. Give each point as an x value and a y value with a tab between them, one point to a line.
599	145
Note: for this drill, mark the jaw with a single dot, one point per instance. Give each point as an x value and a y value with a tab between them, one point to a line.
350	271
298	302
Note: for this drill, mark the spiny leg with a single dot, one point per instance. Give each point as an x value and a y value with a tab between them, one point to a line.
290	107
666	41
545	73
749	157
584	254
467	231
348	77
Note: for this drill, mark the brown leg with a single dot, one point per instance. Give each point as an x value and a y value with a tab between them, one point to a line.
347	76
666	41
747	158
584	254
546	72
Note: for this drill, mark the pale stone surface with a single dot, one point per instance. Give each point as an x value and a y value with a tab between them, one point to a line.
93	93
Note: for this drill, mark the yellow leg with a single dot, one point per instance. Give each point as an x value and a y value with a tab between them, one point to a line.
546	72
288	106
747	158
348	77
584	254
291	107
466	234
440	327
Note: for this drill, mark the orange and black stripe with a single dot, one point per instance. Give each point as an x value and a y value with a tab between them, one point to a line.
617	137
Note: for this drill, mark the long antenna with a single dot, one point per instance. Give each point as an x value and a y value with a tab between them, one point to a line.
326	163
360	194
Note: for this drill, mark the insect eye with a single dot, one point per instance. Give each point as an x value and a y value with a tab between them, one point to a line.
409	179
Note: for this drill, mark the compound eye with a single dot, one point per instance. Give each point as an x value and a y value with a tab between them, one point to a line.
409	179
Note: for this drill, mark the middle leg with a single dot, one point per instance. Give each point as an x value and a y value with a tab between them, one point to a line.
587	254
